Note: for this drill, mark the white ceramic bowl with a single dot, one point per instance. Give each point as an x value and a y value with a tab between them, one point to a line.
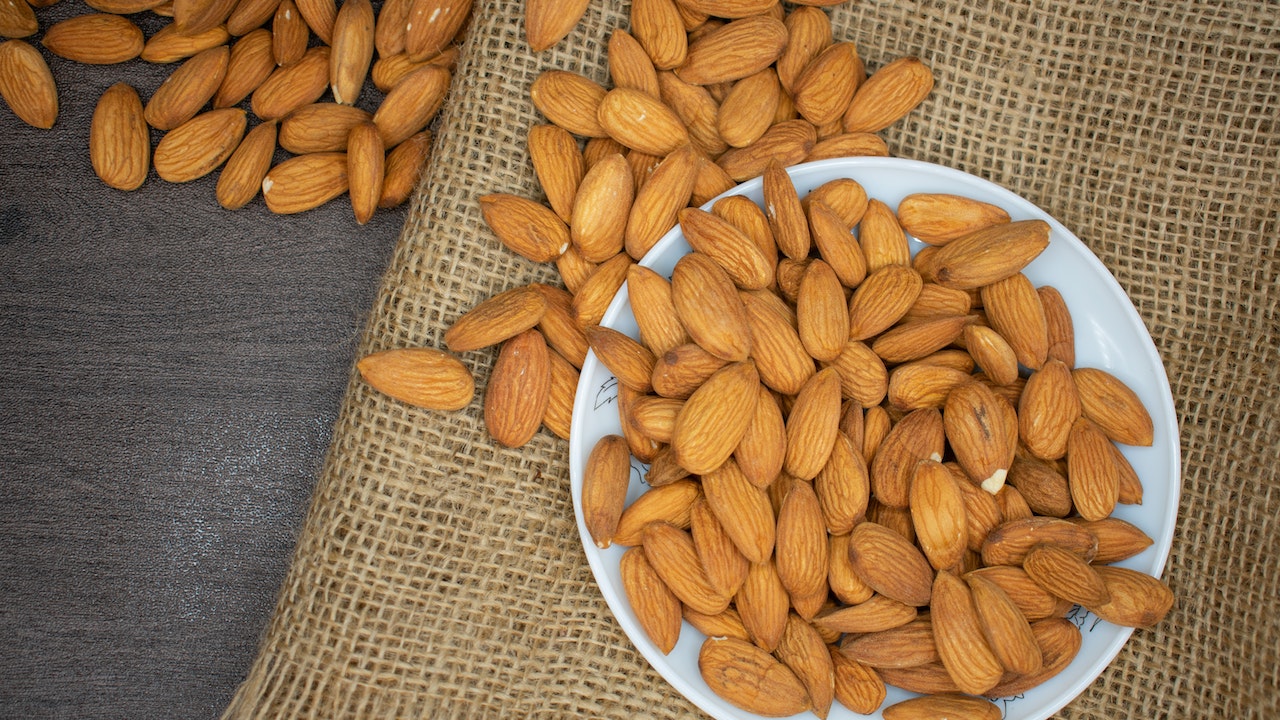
1109	335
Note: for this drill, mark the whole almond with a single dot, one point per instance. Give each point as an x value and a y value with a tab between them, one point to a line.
739	48
938	514
547	22
837	246
168	45
1062	339
251	62
786	215
1066	575
808	34
939	218
857	686
305	182
882	299
497	319
987	255
241	178
18	20
892	566
27	86
786	143
1007	631
604	488
564	388
641	122
1010	543
655	606
249	15
629	361
1013	309
822	313
1049	407
1117	539
412	104
743	510
569	100
843	486
709	307
650	296
94	39
659	199
748	109
424	377
888	95
1059	640
957	631
191	17
905	645
876	614
801	547
1092	474
1136	599
291	87
855	144
802	650
1113	406
723	563
727	624
187	89
516	398
717	414
433	24
119	145
657	26
366	169
600	209
389	27
525	227
943	706
881	237
670	503
696	109
320	127
763	605
992	353
922	383
979	434
1033	601
826	86
844	196
919	435
732	249
198	146
763	447
320	16
812	425
1041	484
750	678
673	556
352	50
558	164
404	167
863	377
289	34
596	292
843	578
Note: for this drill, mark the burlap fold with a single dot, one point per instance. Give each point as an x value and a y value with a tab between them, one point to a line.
438	575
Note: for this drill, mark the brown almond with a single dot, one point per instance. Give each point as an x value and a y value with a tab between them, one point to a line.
1113	406
1007	631
919	435
683	369
748	109
291	87
938	515
564	387
1092	474
826	86
389	27
547	22
1117	539
1044	488
659	30
888	95
659	200
241	178
802	650
812	425
1062	338
27	85
857	144
921	384
423	377
882	299
650	298
655	606
187	89
784	364
641	122
727	624
979	434
734	51
800	548
289	34
94	39
892	566
629	361
673	556
763	604
918	338
304	182
1033	601
992	353
1136	599
836	245
750	678
943	706
496	319
1065	574
558	164
696	109
874	615
714	419
389	70
939	218
366	169
743	510
352	52
863	376
808	34
670	503
524	226
847	586
191	17
119	145
881	238
1010	543
569	100
168	45
519	389
843	487
821	312
721	560
857	686
197	147
251	62
404	167
786	143
412	104
1059	640
1013	309
248	15
763	447
1047	410
320	127
600	208
987	255
981	512
604	488
708	305
432	24
957	630
786	215
906	645
18	20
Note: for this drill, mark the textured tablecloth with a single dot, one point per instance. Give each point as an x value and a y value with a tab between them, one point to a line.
436	575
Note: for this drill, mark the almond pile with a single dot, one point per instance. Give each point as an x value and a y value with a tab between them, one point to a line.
298	67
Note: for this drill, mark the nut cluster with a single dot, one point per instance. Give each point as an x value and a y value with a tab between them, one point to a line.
262	54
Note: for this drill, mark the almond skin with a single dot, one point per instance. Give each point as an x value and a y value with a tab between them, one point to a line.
119	144
1047	410
825	88
604	488
641	122
305	182
291	87
241	178
659	199
187	89
888	95
519	389
525	227
197	147
1013	309
987	255
26	84
813	424
714	419
424	377
352	50
496	319
95	39
890	564
366	168
938	515
744	511
18	20
404	167
251	62
751	679
547	22
1009	543
655	606
749	108
734	51
1066	575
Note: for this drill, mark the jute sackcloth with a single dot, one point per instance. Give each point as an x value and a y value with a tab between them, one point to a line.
440	576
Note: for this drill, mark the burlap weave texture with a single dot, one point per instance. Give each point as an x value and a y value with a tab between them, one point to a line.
440	576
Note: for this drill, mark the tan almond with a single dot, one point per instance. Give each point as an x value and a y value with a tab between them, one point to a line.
94	39
992	353
641	122
659	200
558	163
808	34
750	678
168	45
847	586
601	205
119	144
352	52
801	547
821	312
320	127
604	488
519	389
251	62
748	109
836	245
957	630
192	17
629	361
696	109
388	70
187	89
763	447
241	178
1009	543
938	515
404	167
433	24
922	384
650	298
857	686
654	605
881	238
1113	406
784	364
708	305
734	51
906	645
826	86
939	218
564	387
412	104
918	338
882	299
876	614
1049	406
629	64
366	169
197	147
843	487
812	425
802	649
980	433
670	503
547	22
1059	640
18	20
943	706
727	624
683	369
1044	488
725	566
743	510
658	28
1062	337
389	27
289	34
1117	539
291	87
857	144
715	417
524	226
320	16
1013	309
786	143
569	100
863	376
919	435
249	15
935	300
27	85
1007	631
1066	575
888	95
731	248
763	604
786	214
1136	599
987	255
742	213
423	377
1092	474
496	319
305	182
673	556
892	566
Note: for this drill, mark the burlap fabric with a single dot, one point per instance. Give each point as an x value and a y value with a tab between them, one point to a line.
439	576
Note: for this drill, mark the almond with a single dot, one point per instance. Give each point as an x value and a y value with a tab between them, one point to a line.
659	200
366	169
627	359
352	52
858	144
1117	539
825	88
525	227
933	707
987	255
906	645
95	39
734	51
18	20
892	566
808	34
876	614
1047	410
519	389
1113	406
657	26
1066	575
727	624
742	509
119	145
600	208
786	215
802	650
670	503
857	686
919	435
192	17
957	630
1136	599
683	369
1005	627
291	87
197	147
1013	309
558	164
564	387
696	109
836	245
496	319
389	27
304	182
569	100
1010	543
241	178
604	488
423	377
1031	600
432	24
412	104
888	95
750	678
251	62
780	357
187	89
404	167
821	312
863	377
389	70
939	218
247	15
168	45
992	353
650	298
763	447
748	109
843	487
801	547
882	299
1041	485
26	84
641	122
763	604
709	307
812	425
289	34
655	606
921	384
673	556
1059	642
547	22
843	578
320	127
1092	474
1062	339
981	512
980	434
724	565
938	515
786	143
